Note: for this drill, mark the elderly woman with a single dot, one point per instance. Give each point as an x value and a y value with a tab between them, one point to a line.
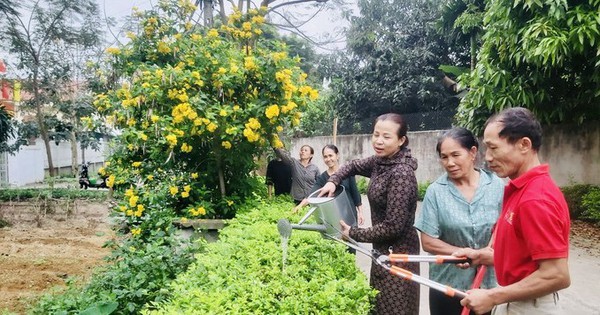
459	210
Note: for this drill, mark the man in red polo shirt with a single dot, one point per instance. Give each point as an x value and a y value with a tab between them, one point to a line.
531	249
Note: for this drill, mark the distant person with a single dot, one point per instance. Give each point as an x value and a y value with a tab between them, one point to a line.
531	248
393	199
304	173
278	177
459	210
331	158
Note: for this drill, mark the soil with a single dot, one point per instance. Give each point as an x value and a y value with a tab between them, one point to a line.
46	244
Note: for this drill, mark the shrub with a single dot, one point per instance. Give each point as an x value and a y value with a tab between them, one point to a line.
362	184
422	188
24	194
244	273
198	105
591	204
574	197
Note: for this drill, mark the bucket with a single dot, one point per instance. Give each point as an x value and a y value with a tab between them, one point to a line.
330	210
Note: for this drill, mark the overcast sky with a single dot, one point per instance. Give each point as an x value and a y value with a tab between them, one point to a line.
321	26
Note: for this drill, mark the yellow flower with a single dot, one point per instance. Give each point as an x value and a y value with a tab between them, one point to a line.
246	26
185	194
183	220
143	137
140	207
226	145
129	212
172	140
236	108
249	63
173	190
279	129
154	118
135	232
194	175
272	111
222	70
138	213
150	177
163	48
186	148
229	202
122	208
213	33
259	19
253	123
136	164
113	50
223	113
110	181
211	127
133	201
201	211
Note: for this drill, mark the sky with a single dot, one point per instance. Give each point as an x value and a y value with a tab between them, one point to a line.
326	23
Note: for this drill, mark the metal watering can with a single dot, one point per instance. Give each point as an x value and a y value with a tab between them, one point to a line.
328	211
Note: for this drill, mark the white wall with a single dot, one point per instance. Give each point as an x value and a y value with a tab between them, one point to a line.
30	164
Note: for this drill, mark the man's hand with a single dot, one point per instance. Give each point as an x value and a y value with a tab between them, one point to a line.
478	300
345	229
483	256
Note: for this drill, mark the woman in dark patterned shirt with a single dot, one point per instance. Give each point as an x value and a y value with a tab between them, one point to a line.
392	196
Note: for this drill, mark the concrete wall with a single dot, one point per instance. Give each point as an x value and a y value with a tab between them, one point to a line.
30	164
573	152
421	143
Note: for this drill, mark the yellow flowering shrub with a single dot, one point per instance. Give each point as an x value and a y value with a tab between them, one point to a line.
195	108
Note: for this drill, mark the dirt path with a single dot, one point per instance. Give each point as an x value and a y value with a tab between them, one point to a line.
44	247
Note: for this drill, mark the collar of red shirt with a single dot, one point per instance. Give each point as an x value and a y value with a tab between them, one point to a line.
520	181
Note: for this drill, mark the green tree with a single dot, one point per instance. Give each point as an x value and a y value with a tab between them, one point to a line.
462	22
395	53
542	55
37	41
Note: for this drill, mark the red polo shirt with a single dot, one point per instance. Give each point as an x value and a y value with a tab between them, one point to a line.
534	225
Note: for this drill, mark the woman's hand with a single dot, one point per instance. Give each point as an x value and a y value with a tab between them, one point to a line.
359	215
328	190
302	203
345	230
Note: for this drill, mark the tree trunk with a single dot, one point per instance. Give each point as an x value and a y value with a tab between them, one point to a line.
222	13
473	51
208	12
82	154
335	119
221	177
74	164
41	123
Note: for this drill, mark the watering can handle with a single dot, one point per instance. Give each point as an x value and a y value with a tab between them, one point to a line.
307	215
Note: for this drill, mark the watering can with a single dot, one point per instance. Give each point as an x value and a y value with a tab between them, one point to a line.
328	211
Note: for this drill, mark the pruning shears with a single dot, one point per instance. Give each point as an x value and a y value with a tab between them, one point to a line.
388	262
